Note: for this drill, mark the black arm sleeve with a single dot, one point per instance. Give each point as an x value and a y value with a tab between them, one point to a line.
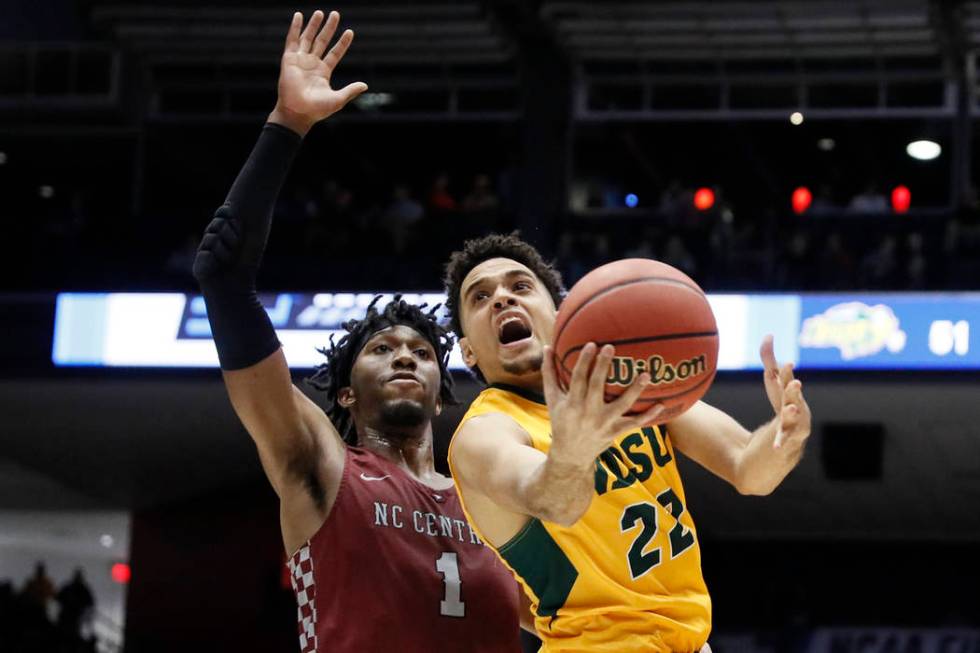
228	258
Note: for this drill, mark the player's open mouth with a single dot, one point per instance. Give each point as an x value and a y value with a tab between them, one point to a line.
513	329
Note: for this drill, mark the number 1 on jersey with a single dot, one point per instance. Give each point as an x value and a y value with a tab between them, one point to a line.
448	566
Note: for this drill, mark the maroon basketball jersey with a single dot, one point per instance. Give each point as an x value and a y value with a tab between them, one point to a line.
396	567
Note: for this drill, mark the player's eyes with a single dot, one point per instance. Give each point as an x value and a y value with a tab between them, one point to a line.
522	285
422	353
480	295
382	349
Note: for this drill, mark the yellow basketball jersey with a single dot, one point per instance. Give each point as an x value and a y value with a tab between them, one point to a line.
627	576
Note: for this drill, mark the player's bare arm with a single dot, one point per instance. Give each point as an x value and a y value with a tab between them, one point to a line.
493	457
305	94
295	439
757	462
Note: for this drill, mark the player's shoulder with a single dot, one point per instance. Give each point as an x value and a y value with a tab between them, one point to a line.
490	429
508	400
494	420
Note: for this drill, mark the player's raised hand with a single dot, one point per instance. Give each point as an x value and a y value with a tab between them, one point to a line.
305	93
583	424
785	393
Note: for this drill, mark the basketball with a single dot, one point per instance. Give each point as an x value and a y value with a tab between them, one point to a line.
658	319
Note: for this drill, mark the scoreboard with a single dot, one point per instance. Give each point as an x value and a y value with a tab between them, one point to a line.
884	331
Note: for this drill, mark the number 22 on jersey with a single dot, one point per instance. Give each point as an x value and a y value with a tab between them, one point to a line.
681	538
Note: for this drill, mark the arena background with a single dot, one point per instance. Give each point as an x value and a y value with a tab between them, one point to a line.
600	130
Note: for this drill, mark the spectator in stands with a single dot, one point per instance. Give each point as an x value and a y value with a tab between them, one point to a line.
677	205
823	202
795	269
37	593
916	266
403	213
8	617
835	267
572	266
481	198
643	247
676	254
331	231
440	200
880	265
594	249
962	243
870	200
77	603
672	199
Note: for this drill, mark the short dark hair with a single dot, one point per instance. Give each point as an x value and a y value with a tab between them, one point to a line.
335	373
477	251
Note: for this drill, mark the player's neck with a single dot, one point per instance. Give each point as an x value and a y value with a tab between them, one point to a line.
412	451
532	382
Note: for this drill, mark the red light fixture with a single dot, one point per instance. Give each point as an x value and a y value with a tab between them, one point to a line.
901	199
121	573
704	199
801	200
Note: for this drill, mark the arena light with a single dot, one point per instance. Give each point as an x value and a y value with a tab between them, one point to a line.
121	573
631	200
924	150
704	199
826	144
901	199
801	200
796	118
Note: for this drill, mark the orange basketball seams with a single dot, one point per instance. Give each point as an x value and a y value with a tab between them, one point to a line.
658	319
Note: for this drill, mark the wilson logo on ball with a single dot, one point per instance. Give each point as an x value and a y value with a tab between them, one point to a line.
624	369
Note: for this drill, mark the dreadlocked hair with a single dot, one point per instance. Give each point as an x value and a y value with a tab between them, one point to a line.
334	374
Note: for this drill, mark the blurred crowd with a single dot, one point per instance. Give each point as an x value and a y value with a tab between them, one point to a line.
39	617
838	251
329	230
328	233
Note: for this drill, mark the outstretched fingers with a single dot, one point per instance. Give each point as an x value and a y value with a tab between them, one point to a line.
322	39
768	355
292	36
352	90
786	376
309	33
339	49
787	422
791	414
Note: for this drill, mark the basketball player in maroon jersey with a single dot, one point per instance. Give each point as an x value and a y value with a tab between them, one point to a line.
382	558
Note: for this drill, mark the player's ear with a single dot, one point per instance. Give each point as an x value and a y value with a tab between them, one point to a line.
468	356
438	406
345	397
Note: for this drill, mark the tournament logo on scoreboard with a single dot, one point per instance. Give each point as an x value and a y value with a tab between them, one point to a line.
856	329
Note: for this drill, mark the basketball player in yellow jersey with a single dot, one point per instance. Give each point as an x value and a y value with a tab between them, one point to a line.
585	505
